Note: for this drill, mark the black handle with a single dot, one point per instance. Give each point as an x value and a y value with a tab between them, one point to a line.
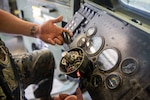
67	38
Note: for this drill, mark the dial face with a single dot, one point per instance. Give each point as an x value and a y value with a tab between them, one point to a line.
108	59
93	45
81	42
91	31
113	81
129	66
96	80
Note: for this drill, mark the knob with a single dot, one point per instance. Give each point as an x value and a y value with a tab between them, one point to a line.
67	38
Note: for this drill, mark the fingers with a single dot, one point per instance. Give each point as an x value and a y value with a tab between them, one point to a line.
79	94
58	19
71	97
51	41
56	98
59	40
70	33
63	96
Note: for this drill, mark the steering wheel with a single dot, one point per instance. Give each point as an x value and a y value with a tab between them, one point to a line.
10	81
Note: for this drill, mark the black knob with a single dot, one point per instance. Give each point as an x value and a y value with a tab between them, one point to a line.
67	38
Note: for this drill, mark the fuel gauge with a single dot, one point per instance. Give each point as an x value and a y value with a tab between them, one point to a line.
113	81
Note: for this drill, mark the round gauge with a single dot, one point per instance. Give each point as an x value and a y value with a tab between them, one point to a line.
96	80
108	59
91	31
93	45
129	66
113	81
81	42
75	63
71	61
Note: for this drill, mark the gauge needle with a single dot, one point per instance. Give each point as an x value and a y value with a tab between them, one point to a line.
111	83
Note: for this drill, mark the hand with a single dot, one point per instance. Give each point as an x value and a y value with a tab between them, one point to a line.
49	32
77	96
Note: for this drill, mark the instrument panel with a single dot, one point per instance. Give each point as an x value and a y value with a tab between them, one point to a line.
115	55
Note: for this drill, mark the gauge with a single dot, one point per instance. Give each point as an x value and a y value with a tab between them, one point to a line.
91	31
129	66
70	61
93	45
108	59
76	64
113	81
81	42
96	80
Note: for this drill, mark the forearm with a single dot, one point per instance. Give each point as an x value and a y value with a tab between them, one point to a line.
13	25
49	32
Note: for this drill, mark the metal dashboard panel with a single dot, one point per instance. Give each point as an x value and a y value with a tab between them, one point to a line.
133	49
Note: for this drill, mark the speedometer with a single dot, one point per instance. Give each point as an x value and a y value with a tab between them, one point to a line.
108	59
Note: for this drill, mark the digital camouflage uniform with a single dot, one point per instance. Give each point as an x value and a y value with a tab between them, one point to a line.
35	68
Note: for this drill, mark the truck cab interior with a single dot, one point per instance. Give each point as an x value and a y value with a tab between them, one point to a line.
109	53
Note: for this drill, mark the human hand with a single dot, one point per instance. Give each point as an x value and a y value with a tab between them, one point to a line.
77	96
49	32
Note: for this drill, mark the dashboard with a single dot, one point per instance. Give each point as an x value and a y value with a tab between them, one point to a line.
109	55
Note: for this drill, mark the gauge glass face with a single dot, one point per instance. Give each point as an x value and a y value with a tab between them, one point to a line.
108	59
81	42
113	81
93	45
91	31
96	80
129	66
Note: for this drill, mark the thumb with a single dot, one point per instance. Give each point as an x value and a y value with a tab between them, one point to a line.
79	94
71	97
58	19
63	96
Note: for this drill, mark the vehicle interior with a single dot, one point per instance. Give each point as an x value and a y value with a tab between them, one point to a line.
109	50
108	55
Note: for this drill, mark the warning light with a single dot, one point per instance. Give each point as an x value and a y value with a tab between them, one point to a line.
78	74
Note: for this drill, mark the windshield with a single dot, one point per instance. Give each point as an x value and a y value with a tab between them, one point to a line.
143	5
